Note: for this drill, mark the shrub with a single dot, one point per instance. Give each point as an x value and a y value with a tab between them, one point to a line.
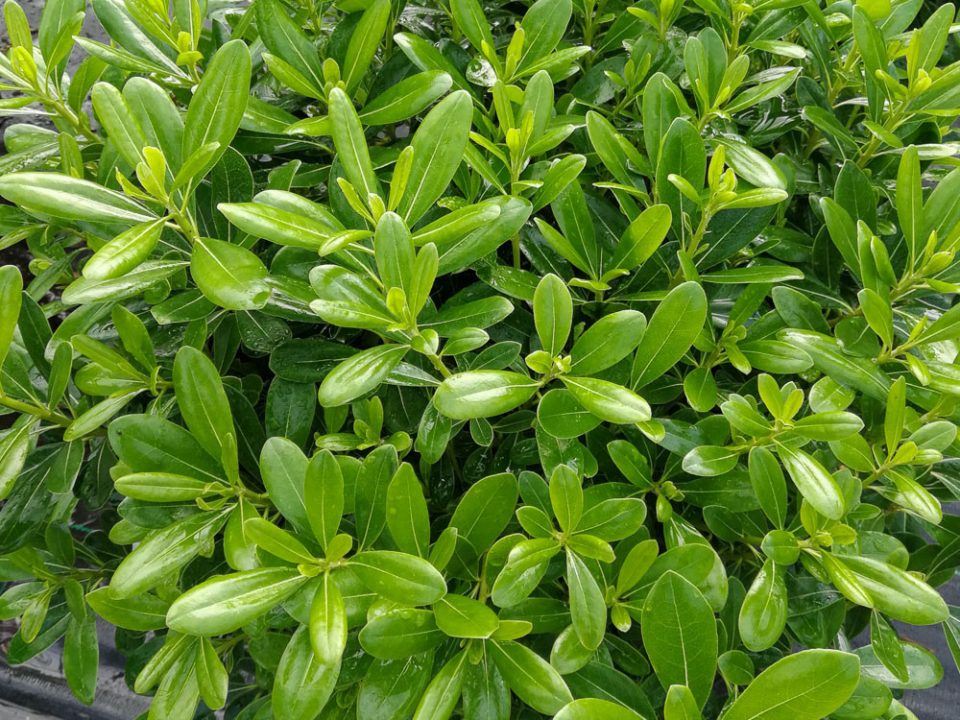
593	361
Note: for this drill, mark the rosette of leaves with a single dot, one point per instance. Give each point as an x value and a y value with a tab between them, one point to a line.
591	360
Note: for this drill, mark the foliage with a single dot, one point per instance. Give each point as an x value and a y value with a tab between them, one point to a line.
383	360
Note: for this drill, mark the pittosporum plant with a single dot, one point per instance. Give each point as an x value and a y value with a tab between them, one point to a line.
584	360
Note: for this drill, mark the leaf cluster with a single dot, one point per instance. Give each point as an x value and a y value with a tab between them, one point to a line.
582	359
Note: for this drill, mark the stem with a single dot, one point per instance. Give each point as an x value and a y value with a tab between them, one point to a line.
35	410
438	364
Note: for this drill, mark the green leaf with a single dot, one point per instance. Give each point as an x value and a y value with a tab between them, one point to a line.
70	198
11	287
805	686
552	313
543	25
642	238
217	106
364	42
323	496
896	593
229	275
303	684
607	342
438	147
817	486
125	252
407	516
275	541
483	393
115	117
360	374
710	460
909	201
588	610
595	709
141	613
202	401
608	401
212	677
283	38
484	511
469	17
283	467
328	622
443	693
680	635
763	614
147	443
683	154
463	617
164	552
400	633
351	145
403	578
161	487
407	98
923	668
530	677
769	485
347	299
287	227
225	603
576	223
675	324
81	657
887	647
680	704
